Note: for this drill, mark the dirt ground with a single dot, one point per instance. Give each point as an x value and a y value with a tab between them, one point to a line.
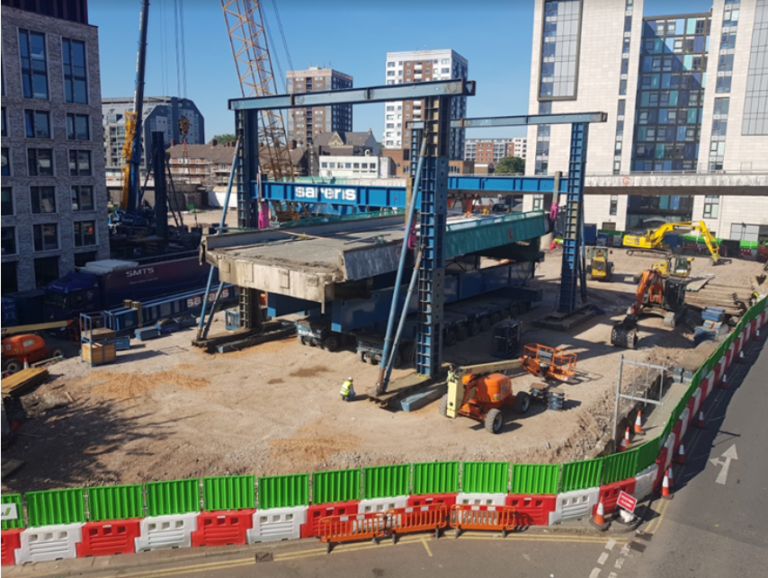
166	410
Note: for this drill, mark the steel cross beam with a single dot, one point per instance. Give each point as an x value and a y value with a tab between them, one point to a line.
521	120
373	94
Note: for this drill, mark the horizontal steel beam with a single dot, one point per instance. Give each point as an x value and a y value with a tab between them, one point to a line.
523	120
413	91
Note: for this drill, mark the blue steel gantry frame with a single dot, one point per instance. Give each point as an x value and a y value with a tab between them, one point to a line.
434	184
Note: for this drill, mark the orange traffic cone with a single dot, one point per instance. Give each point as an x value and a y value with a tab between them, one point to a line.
639	424
665	488
626	438
724	381
700	422
26	365
599	520
670	477
623	445
680	459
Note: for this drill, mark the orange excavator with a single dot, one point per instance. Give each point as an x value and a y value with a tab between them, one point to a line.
657	294
481	391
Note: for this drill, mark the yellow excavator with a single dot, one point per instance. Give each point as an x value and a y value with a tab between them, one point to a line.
652	243
673	266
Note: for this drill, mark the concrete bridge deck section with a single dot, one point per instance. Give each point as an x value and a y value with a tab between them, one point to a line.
308	262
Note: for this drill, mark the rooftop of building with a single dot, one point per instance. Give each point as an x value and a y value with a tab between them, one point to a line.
419	54
347	138
316	70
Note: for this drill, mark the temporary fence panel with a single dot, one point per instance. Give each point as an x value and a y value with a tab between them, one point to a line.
670	446
482	498
647	453
13	511
620	466
222	528
335	529
581	475
381	504
173	497
436	478
574	505
417	518
467	517
229	493
115	502
386	481
644	481
283	491
277	524
163	532
335	486
685	417
109	538
532	510
535	479
55	507
46	543
486	477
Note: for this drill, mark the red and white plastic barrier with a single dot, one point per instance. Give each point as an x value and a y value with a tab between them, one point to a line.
481	499
532	510
574	505
645	481
381	504
315	513
161	532
277	524
46	543
429	499
222	528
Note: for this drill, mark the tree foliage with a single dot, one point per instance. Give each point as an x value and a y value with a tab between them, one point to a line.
225	139
510	166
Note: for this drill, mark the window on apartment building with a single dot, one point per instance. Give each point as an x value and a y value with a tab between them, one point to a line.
82	198
43	199
80	163
538	202
711	206
5	126
46	236
614	205
75	78
34	73
6	163
390	64
40	162
390	72
37	123
46	271
85	233
608	226
77	127
7	202
9	241
623	86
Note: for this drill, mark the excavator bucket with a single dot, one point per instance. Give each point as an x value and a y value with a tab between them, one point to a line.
624	333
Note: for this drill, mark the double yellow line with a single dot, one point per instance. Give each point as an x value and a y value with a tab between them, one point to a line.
343	549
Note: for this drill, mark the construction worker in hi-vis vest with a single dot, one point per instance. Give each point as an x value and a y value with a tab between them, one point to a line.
347	391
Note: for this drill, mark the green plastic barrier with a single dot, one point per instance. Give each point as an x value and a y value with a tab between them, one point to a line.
485	477
229	493
581	475
386	481
620	466
19	521
55	507
173	497
283	491
647	453
436	478
535	478
335	486
115	502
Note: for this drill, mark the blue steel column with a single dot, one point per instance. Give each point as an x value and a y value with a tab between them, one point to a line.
573	273
247	131
432	220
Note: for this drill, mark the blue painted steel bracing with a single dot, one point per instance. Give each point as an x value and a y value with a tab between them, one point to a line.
572	272
343	199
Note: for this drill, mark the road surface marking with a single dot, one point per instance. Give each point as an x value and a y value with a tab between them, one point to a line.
603	557
426	546
611	543
210	566
619	563
656	522
612	575
729	454
595	573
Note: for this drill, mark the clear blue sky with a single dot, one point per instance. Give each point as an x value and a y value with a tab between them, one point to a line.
352	36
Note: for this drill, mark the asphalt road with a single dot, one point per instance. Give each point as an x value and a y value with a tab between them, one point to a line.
715	526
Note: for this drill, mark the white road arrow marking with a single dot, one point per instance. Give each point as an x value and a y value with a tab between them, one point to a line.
729	454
